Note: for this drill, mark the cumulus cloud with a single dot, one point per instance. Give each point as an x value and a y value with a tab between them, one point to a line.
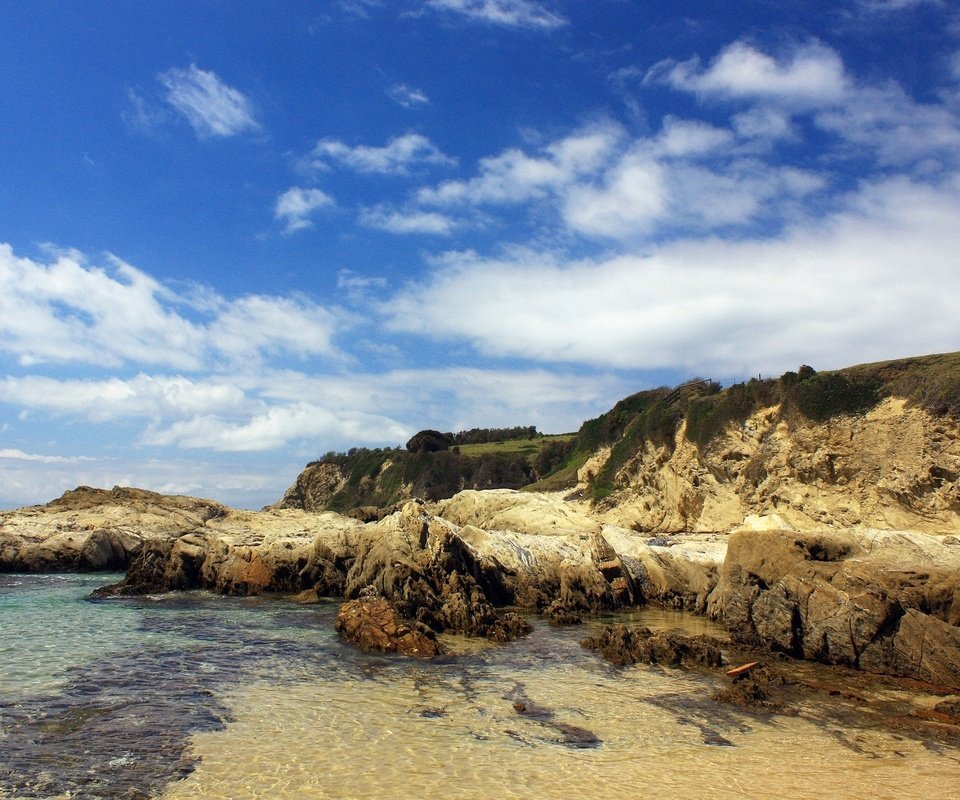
693	177
831	290
509	13
397	157
210	106
812	74
276	427
296	205
68	311
142	396
875	121
600	183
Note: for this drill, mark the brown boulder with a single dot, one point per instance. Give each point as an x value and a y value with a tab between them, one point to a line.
373	624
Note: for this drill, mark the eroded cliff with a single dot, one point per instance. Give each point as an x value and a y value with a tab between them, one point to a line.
894	467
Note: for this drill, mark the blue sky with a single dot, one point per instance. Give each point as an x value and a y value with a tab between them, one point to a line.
236	235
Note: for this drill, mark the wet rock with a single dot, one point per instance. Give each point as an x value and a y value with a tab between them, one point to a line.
753	689
559	613
622	645
373	624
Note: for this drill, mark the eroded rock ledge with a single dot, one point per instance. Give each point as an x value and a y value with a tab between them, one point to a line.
880	601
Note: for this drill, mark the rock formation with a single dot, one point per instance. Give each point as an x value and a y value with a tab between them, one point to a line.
95	529
880	601
894	467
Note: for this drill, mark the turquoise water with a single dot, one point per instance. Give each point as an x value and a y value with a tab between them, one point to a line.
191	695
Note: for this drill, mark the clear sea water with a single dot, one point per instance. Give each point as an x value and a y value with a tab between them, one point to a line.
191	695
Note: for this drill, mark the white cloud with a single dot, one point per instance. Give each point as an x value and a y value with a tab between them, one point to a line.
407	222
601	184
832	292
407	96
880	122
295	206
510	13
68	311
260	325
515	177
631	199
888	124
896	5
19	455
277	426
212	107
395	158
813	74
142	396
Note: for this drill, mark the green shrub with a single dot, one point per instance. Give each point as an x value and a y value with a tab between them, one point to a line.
707	416
830	394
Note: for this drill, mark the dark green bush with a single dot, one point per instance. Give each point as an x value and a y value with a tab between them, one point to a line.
830	394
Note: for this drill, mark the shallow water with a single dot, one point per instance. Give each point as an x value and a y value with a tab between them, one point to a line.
197	696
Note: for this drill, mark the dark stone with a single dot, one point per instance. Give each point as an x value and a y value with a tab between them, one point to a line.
624	645
558	613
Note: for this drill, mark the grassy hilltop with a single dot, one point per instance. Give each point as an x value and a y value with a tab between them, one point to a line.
435	465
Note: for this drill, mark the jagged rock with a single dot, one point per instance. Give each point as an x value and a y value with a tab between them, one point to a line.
521	512
313	488
853	598
430	573
559	613
373	624
622	644
677	571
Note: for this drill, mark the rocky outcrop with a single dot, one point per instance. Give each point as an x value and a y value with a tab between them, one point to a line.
895	467
373	624
876	600
678	571
247	552
97	529
313	488
432	575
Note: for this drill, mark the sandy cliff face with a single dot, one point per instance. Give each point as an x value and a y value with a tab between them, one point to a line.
893	468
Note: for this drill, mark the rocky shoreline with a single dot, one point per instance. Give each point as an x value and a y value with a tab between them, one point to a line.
883	602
